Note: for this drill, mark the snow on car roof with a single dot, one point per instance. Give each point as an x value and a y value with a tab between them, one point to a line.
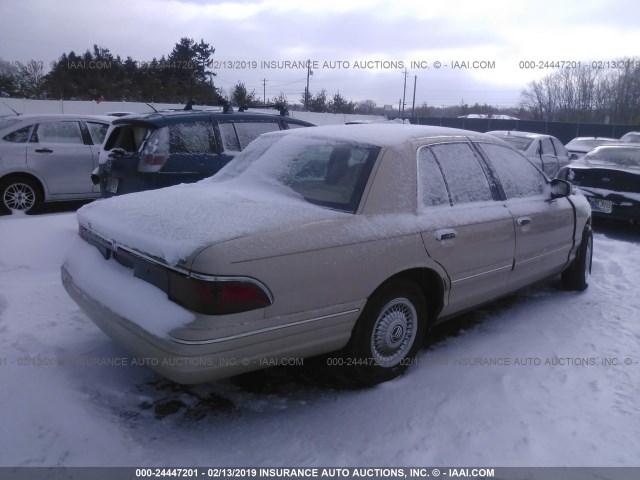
379	134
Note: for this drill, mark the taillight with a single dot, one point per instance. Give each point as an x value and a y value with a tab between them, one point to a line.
219	295
155	151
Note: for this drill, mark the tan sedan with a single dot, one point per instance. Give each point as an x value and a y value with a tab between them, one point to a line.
353	238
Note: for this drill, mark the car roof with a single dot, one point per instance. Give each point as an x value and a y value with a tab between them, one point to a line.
167	117
60	116
30	118
385	134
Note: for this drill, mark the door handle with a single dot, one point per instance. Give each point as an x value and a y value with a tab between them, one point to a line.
44	150
522	221
447	234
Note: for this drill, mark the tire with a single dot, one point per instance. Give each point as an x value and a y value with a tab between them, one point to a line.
388	333
578	275
21	194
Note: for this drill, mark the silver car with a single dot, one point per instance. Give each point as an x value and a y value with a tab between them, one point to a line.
354	238
545	151
47	158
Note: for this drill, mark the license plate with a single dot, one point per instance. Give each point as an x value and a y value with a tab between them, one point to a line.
602	206
112	185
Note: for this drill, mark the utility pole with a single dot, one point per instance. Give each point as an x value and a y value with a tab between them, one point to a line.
306	92
404	91
264	91
413	106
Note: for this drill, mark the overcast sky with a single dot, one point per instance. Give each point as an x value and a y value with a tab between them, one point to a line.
501	33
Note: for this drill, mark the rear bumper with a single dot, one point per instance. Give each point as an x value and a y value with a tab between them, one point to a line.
285	342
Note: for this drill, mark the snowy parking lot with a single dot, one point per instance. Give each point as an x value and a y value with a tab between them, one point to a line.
544	377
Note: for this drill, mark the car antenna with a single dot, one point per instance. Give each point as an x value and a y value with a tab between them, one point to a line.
153	108
9	108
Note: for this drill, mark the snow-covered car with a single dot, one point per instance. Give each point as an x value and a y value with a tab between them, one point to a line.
356	238
580	146
47	158
156	150
545	151
609	176
631	137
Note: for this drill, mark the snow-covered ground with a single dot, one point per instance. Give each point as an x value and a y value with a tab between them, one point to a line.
552	401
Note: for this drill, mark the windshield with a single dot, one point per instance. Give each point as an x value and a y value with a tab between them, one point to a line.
619	156
519	143
323	171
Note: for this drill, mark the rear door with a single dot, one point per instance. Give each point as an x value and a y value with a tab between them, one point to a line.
467	230
57	151
193	153
543	226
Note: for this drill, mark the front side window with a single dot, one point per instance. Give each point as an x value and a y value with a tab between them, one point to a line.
519	178
58	132
463	173
237	135
432	189
249	131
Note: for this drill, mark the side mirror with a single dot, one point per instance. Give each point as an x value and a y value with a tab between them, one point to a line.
560	188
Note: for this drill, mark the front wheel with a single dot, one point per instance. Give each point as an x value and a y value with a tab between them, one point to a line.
21	194
388	333
578	275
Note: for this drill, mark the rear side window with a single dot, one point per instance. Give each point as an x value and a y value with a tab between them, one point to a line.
194	137
19	136
431	186
463	173
58	132
98	131
518	177
127	137
547	147
560	150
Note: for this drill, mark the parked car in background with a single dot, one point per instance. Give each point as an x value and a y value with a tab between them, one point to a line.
353	237
580	146
47	158
545	151
170	147
631	137
609	176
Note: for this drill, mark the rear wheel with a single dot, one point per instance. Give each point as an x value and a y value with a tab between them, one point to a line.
20	194
388	333
578	275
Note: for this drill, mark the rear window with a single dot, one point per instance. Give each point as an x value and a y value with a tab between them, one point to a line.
621	156
127	137
519	143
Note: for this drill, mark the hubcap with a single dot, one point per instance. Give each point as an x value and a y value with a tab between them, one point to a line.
394	332
19	196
